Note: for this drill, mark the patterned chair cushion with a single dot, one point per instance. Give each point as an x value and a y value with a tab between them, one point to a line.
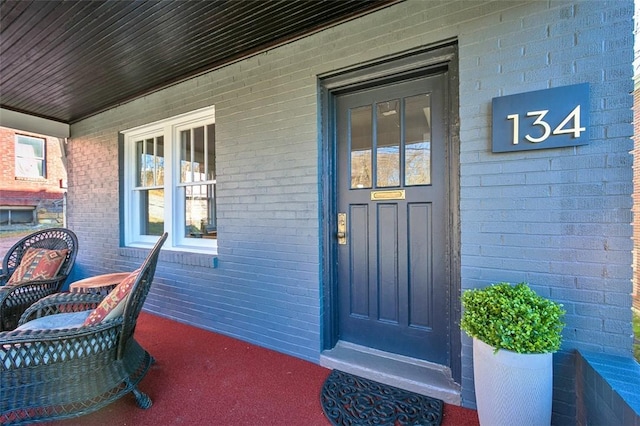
113	304
38	264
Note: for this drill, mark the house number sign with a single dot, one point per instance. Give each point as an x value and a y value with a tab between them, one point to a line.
550	118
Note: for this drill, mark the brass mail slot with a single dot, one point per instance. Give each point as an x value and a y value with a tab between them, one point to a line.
396	194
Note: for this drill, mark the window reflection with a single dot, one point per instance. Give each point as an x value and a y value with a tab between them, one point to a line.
152	212
361	137
417	149
200	211
150	155
402	143
388	144
197	166
30	157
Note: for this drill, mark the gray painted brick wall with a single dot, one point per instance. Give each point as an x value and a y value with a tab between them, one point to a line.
559	219
608	390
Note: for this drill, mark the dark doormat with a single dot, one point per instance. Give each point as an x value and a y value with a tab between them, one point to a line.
353	400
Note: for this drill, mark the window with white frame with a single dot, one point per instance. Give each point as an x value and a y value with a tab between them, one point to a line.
170	182
30	157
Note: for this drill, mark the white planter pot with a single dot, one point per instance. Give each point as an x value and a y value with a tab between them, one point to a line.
512	388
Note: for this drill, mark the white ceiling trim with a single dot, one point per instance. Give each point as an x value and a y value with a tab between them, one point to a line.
29	123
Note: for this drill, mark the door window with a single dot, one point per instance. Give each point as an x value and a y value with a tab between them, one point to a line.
417	148
388	144
400	152
361	137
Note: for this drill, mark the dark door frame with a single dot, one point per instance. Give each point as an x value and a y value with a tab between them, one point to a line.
418	62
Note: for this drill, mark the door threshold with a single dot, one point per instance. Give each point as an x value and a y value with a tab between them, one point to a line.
403	372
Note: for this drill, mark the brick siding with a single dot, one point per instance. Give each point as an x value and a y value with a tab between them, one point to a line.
607	391
559	219
636	201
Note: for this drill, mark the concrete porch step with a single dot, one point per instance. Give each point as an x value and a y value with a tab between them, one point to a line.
403	372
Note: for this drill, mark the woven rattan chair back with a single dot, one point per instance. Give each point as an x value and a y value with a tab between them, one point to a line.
52	239
139	293
14	300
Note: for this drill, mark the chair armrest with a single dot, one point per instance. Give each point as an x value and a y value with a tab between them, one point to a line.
61	303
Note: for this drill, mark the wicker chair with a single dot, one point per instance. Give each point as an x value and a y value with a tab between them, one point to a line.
65	373
15	299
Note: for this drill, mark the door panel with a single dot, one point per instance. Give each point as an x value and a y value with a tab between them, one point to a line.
388	284
360	260
420	253
393	281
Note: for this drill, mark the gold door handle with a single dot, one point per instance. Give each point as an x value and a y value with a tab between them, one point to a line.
342	228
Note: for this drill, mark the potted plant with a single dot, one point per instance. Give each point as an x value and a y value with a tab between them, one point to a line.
515	332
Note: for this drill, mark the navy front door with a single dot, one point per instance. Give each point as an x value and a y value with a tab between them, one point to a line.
392	180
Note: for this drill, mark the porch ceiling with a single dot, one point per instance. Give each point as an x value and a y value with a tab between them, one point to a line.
67	60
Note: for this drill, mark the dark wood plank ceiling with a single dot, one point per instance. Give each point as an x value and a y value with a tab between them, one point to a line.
67	60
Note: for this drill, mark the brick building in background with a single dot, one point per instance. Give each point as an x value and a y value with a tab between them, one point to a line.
32	179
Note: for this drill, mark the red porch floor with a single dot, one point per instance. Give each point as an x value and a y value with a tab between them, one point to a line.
204	378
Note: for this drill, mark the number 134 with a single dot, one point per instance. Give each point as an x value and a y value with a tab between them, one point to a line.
570	125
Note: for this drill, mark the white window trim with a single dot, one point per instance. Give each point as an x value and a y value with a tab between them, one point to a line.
174	218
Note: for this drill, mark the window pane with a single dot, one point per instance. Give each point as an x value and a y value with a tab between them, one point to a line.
361	147
31	147
159	163
200	211
388	144
147	162
152	212
140	178
29	156
17	216
211	152
29	167
199	172
418	140
185	156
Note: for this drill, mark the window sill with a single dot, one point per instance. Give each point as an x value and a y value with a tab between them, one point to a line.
31	178
181	256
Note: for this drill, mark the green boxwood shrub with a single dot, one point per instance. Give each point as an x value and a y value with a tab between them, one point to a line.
513	317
